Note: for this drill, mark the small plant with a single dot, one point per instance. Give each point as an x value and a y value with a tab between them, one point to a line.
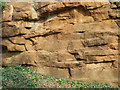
61	81
68	81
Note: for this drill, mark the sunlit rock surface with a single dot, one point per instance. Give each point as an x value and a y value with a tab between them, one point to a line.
71	40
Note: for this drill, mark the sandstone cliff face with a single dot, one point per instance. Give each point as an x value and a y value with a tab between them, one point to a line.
70	40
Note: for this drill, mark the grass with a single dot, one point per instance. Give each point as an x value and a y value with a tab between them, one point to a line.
24	77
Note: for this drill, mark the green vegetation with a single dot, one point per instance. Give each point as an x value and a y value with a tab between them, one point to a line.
2	4
24	77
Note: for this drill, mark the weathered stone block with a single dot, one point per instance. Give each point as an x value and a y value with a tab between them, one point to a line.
97	41
13	47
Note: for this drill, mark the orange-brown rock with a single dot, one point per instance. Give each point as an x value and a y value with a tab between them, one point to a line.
7	14
12	47
77	40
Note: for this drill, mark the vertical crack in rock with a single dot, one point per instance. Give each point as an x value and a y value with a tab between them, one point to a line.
76	55
35	62
69	71
33	43
25	47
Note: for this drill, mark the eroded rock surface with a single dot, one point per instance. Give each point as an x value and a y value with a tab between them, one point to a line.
70	40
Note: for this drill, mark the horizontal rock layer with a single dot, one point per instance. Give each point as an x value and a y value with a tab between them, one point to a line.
76	40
